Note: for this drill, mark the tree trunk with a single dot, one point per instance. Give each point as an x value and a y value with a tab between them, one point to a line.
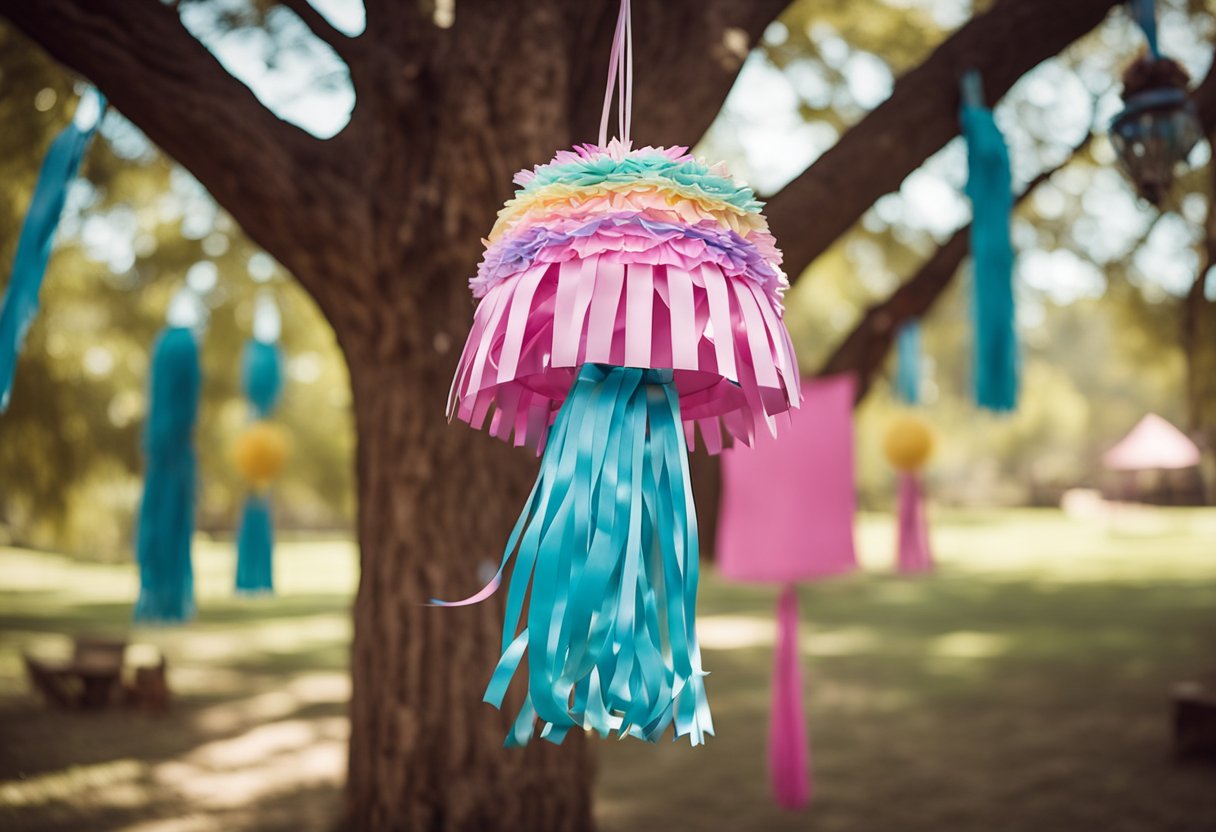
425	753
437	501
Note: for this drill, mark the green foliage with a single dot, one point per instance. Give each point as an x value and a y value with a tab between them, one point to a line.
132	232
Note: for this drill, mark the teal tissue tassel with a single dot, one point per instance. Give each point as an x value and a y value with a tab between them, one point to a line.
255	547
996	359
166	514
907	362
605	553
261	376
262	382
37	234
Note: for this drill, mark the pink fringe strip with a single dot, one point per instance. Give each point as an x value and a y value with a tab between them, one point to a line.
914	554
734	363
789	750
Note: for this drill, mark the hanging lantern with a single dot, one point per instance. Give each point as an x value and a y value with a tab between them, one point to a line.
626	295
908	445
1159	125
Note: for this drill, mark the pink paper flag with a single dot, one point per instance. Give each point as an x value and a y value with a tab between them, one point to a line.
787	505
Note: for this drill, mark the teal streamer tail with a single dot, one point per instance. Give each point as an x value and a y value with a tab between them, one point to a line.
907	362
605	553
261	376
996	362
255	547
34	244
166	514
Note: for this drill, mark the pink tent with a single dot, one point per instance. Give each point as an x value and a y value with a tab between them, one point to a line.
786	516
1153	443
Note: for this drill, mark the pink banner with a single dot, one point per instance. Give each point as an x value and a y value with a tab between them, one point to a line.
788	505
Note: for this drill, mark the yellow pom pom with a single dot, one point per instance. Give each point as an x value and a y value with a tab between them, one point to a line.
260	452
908	443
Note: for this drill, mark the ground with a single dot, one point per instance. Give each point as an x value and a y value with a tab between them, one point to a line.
1023	687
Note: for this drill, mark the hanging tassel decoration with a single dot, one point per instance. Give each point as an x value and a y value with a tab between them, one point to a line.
913	550
1145	14
166	514
788	746
628	299
996	359
37	234
260	453
908	445
907	362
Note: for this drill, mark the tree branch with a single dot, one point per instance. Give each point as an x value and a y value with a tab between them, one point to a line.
921	115
268	174
340	42
865	349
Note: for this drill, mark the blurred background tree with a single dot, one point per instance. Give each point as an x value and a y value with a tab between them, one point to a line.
137	227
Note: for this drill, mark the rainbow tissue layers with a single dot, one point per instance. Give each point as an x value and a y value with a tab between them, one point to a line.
642	258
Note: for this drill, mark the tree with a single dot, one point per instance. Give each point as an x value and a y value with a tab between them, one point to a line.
381	225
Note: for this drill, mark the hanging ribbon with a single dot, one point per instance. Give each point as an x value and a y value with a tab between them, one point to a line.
907	362
1145	14
37	234
620	73
996	361
788	747
913	552
166	514
605	552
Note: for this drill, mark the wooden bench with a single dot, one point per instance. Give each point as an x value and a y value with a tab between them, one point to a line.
1194	721
87	680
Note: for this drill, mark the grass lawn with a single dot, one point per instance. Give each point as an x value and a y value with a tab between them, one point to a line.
1024	687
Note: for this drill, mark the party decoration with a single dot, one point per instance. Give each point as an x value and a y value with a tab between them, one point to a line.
260	452
907	446
787	516
628	297
907	362
166	513
1159	125
996	360
37	234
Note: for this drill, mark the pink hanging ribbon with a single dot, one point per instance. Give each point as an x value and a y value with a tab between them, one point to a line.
789	749
913	553
620	71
